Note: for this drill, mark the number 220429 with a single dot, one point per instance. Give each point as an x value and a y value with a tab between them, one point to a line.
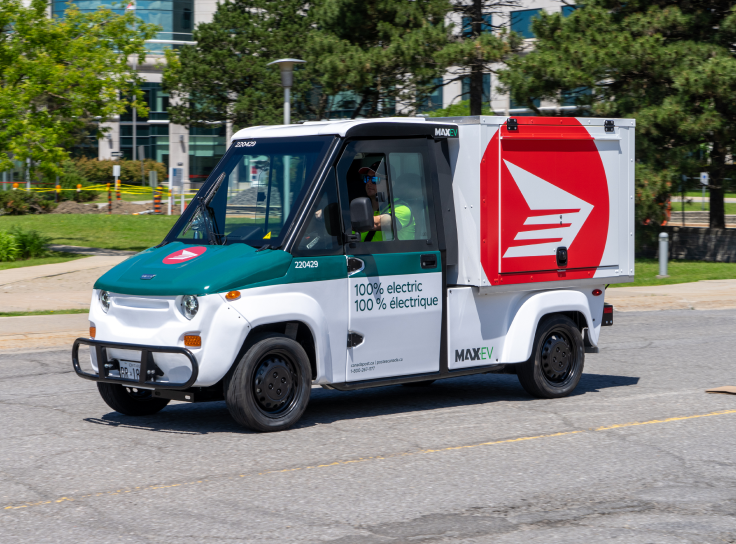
306	264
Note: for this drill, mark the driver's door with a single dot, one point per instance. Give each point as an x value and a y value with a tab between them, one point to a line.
395	280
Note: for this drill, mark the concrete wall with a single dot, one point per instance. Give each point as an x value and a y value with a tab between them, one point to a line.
691	244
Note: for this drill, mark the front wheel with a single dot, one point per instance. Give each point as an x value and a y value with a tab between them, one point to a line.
130	401
556	363
269	389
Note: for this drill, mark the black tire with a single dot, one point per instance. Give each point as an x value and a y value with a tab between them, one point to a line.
556	363
425	383
270	386
128	402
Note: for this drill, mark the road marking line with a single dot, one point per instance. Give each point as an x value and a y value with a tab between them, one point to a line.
380	457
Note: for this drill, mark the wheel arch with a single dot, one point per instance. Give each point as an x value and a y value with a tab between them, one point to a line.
520	336
275	312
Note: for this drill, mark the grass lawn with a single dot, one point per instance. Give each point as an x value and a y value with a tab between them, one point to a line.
700	193
44	312
679	272
56	257
696	205
132	232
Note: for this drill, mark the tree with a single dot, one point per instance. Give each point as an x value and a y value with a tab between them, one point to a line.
381	51
60	77
225	77
479	46
670	64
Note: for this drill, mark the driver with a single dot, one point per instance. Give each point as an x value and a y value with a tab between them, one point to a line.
376	189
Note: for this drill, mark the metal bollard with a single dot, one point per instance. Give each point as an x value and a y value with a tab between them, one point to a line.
663	254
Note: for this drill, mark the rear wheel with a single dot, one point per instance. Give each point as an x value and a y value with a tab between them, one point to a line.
269	389
130	401
556	363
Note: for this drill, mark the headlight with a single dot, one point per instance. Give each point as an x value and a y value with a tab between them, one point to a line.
105	301
189	306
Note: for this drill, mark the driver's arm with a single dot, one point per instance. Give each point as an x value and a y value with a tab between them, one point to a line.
382	222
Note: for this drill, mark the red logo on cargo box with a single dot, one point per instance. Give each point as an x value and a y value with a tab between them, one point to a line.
553	193
185	254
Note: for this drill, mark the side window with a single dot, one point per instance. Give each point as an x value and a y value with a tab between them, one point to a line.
393	175
410	195
321	234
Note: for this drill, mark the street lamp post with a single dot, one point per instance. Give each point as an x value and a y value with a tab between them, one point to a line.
287	79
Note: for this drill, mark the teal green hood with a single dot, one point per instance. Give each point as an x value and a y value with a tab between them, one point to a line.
218	269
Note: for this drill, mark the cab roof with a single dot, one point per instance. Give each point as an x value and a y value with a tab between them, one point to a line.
337	128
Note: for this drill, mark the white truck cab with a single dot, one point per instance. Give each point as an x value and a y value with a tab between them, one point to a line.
364	253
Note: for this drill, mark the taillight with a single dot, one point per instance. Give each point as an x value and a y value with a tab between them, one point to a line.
608	309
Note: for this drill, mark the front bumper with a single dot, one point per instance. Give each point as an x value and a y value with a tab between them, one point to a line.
148	372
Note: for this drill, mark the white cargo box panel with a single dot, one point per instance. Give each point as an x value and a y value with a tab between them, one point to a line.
521	192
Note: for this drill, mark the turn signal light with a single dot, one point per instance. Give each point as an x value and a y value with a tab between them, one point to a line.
233	295
597	292
92	332
193	340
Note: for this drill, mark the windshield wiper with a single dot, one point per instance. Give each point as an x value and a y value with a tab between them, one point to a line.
205	210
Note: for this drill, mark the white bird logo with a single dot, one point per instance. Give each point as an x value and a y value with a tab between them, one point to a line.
552	230
184	255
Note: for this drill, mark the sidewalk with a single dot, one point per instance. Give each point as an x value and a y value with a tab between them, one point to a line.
61	286
700	295
42	331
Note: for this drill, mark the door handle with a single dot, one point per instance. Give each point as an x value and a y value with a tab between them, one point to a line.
429	261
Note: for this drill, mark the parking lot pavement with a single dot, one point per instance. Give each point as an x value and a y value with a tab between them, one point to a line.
639	454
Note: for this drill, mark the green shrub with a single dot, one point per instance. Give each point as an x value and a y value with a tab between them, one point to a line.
30	243
8	247
70	177
20	202
97	171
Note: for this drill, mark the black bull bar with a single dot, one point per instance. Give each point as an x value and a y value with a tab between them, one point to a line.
145	379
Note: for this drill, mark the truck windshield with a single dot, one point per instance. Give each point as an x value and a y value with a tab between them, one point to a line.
254	192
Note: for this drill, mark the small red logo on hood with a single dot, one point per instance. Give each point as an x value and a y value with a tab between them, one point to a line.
185	254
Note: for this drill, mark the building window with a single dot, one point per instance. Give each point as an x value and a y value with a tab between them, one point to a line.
153	138
174	16
521	22
515	105
486	25
568	98
434	100
486	88
206	146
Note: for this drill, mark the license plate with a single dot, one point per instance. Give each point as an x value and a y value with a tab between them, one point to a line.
130	370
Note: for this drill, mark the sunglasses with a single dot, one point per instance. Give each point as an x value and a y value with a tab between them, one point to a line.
371	179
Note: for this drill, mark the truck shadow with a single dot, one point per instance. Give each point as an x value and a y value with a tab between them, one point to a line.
329	406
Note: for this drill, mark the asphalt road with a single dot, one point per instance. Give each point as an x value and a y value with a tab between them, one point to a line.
640	454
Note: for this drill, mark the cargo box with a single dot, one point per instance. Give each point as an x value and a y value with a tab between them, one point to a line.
542	200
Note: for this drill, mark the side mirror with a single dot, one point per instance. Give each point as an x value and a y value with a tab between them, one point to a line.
361	214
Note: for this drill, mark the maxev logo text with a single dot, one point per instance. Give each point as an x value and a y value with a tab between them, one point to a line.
445	133
473	354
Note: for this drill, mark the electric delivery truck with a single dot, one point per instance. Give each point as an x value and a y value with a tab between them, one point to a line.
365	253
